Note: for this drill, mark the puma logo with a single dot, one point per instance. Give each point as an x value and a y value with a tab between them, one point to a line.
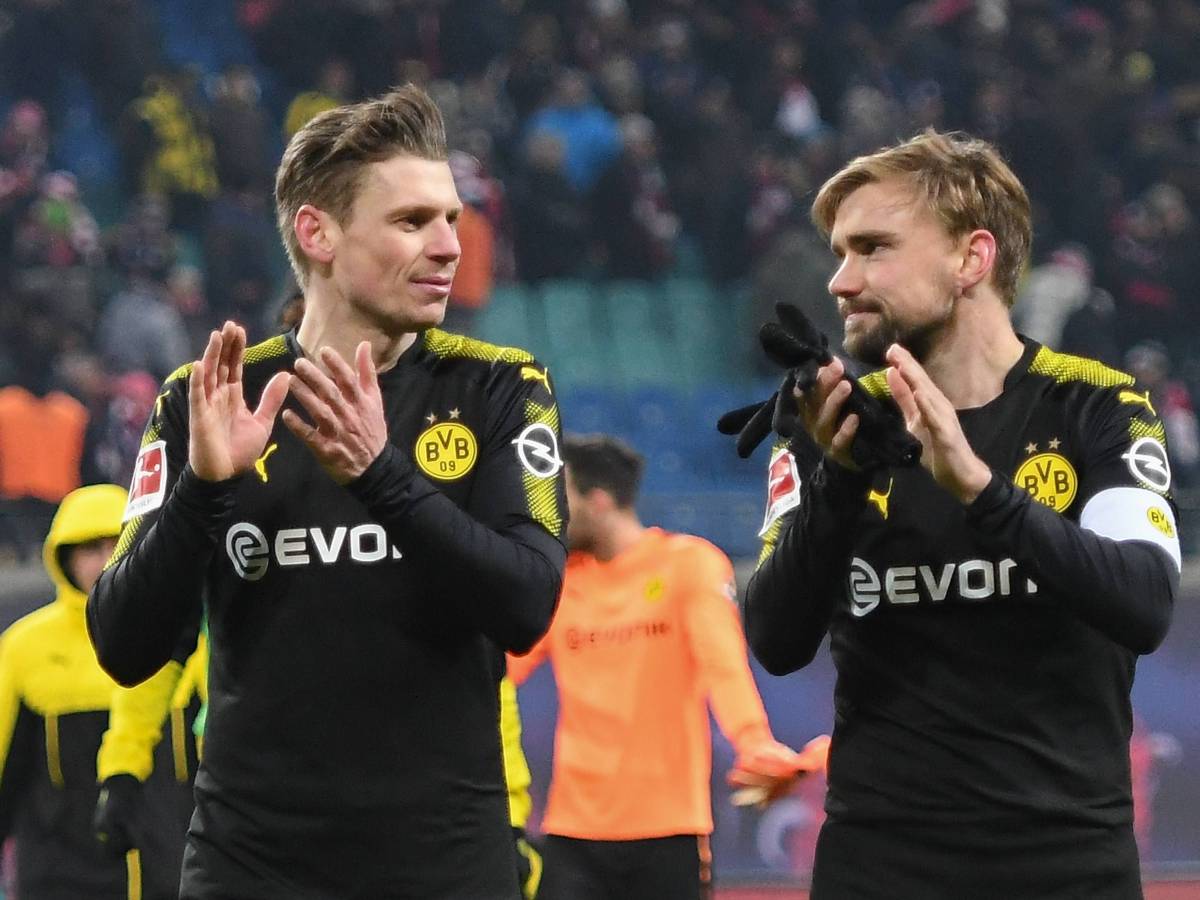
260	464
529	373
881	500
1140	399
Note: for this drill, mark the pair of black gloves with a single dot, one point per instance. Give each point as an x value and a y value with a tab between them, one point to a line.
796	345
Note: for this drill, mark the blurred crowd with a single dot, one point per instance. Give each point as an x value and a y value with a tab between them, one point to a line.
594	139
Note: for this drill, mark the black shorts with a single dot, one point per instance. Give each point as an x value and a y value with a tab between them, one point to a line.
678	867
859	862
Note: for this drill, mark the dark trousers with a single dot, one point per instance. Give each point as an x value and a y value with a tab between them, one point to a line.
678	867
861	862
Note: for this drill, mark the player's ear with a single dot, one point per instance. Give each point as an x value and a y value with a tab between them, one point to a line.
317	233
978	258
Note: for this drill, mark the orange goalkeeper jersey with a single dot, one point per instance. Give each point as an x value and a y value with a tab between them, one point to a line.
640	646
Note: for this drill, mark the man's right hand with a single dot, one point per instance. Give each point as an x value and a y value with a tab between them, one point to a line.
225	437
821	405
117	811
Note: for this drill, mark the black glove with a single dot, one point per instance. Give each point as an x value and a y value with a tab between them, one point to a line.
796	345
117	812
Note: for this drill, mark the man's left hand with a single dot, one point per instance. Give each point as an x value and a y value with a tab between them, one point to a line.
932	419
349	429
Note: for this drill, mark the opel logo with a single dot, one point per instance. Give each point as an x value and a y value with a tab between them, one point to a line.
1147	460
537	449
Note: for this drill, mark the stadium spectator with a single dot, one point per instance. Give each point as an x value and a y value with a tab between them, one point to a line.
551	227
589	134
146	766
167	147
24	160
114	433
139	330
240	247
41	445
57	254
635	224
983	605
1150	363
1051	293
476	273
243	140
54	702
334	86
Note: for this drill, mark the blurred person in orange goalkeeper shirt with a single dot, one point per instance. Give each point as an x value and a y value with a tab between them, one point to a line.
646	637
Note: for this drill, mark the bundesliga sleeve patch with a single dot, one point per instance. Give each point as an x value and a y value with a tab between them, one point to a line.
149	485
783	487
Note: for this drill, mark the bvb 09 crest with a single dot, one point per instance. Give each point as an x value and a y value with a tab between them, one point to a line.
446	451
1050	479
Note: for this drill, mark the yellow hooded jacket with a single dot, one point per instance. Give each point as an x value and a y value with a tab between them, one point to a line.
54	701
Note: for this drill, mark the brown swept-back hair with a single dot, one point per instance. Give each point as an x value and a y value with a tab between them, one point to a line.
325	160
963	181
605	462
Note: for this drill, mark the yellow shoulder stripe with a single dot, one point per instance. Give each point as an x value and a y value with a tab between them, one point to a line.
1064	367
442	343
875	384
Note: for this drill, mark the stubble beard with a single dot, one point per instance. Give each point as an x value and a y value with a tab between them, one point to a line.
870	347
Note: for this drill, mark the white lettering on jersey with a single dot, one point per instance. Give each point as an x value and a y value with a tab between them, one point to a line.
250	551
972	580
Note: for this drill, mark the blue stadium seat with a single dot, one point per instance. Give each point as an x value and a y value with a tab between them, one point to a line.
577	346
699	329
593	410
643	345
716	453
506	320
730	519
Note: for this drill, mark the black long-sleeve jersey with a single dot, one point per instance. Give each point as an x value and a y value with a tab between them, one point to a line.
984	654
352	747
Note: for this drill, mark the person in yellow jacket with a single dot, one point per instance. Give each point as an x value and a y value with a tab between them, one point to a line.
54	703
145	801
516	774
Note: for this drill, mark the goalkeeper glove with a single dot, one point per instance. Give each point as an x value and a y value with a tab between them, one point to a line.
769	770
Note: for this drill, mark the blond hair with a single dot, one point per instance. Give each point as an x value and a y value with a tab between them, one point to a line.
324	162
961	179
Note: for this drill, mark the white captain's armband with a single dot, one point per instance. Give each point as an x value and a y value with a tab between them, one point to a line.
783	487
1133	514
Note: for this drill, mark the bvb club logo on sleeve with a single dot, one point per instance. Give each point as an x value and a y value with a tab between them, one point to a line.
446	451
1050	479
